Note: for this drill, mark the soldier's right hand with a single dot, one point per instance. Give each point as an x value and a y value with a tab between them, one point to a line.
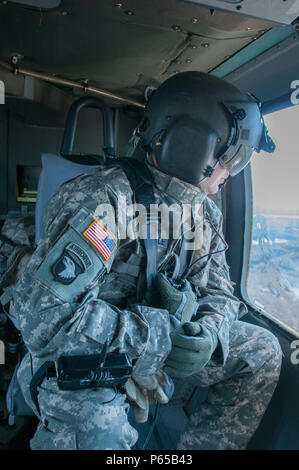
192	347
142	390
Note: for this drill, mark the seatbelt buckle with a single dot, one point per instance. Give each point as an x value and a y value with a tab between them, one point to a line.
56	367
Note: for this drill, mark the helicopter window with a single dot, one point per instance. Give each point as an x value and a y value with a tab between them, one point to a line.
273	277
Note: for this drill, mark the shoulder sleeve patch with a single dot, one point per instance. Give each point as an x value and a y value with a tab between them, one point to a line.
78	257
100	238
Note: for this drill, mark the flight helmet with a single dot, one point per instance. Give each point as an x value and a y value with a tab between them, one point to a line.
195	121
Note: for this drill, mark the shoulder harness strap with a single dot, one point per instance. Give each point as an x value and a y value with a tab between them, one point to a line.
142	184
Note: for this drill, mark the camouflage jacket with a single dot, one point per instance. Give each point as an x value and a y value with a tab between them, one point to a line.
73	296
16	246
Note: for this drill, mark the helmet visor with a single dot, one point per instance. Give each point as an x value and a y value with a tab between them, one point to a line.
239	160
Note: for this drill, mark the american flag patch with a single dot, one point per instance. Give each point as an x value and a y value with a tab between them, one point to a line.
100	238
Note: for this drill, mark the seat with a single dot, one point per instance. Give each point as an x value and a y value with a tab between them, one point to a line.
55	171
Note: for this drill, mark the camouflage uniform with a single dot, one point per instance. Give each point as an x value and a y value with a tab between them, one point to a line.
239	391
100	304
16	246
17	240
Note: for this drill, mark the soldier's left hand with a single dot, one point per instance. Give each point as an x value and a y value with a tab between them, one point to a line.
180	301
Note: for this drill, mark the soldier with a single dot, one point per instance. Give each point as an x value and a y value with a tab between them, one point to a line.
79	293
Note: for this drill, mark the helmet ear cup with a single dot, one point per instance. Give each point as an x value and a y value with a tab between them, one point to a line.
186	149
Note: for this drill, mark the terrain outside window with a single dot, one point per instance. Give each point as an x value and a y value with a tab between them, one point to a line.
273	276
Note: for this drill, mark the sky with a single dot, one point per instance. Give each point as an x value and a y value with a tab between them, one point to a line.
275	177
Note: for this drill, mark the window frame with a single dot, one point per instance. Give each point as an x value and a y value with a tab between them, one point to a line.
268	108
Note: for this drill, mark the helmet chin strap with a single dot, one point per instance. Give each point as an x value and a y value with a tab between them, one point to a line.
222	185
154	160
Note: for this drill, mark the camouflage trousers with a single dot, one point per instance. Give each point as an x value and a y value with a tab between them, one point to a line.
239	392
78	420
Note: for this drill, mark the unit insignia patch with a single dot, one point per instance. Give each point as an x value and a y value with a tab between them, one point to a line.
73	261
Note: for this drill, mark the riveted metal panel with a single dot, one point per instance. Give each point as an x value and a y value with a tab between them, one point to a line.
122	46
271	10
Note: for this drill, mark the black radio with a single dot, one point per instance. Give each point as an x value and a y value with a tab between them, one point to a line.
92	371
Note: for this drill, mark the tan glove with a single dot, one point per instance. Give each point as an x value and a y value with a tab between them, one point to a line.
142	390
